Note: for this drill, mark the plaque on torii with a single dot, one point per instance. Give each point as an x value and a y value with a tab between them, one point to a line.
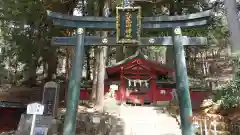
128	25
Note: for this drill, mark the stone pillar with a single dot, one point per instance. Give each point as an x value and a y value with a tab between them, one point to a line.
50	99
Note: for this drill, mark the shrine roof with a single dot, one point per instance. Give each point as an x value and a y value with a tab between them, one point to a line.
138	55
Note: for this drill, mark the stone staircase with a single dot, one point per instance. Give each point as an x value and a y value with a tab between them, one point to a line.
128	120
143	120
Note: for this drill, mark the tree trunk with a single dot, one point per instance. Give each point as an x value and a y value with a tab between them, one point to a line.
67	65
152	55
88	59
169	57
101	77
175	7
69	52
95	76
102	65
169	51
233	24
93	8
52	65
30	74
159	57
119	53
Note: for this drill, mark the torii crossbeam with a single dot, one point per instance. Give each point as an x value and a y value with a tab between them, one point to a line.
111	41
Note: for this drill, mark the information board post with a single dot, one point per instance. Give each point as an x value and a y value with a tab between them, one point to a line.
33	124
34	109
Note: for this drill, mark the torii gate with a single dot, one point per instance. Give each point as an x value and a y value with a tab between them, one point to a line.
128	24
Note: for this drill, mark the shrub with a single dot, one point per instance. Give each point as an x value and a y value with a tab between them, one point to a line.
229	96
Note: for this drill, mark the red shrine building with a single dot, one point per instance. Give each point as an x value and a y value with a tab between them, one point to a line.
142	81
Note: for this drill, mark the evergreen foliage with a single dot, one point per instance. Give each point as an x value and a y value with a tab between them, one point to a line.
229	96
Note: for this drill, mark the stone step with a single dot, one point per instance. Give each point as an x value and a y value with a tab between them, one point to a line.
148	120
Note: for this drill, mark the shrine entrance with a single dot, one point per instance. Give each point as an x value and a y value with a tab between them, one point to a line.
128	24
137	78
138	88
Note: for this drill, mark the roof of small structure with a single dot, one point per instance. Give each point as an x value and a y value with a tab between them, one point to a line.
160	68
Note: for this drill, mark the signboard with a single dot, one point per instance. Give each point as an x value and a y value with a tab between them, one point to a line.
128	25
114	87
35	109
50	98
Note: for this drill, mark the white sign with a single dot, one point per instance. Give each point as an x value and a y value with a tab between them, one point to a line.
35	108
114	87
96	120
163	92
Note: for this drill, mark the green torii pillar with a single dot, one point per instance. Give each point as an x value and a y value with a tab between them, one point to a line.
129	33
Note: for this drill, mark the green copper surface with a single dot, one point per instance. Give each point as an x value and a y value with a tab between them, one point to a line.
74	85
182	83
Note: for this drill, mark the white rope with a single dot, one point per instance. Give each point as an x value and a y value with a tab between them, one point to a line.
137	81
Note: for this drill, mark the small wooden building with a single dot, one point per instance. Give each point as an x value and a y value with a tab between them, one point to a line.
142	81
